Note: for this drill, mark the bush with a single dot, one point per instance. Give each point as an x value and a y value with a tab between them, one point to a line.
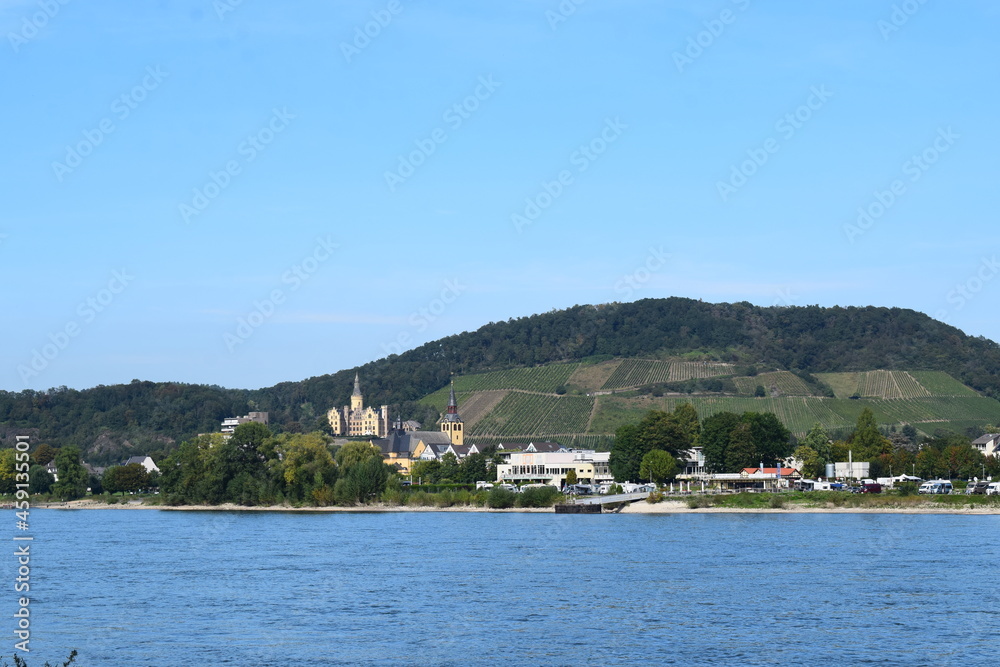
654	497
776	502
697	502
906	488
538	496
500	498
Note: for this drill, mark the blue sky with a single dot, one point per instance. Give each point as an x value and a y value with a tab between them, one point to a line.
242	193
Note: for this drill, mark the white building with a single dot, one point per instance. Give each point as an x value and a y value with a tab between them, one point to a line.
145	462
988	444
229	425
851	469
552	467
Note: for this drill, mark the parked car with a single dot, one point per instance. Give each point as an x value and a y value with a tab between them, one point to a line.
936	487
977	488
872	487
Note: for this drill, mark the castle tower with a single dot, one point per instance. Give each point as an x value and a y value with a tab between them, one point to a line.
452	423
356	400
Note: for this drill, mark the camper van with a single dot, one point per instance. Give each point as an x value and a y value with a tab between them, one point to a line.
935	487
993	489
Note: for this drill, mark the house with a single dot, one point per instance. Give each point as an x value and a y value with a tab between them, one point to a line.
988	444
145	461
230	423
693	461
52	470
532	467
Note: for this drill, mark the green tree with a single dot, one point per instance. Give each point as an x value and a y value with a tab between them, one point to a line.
715	432
41	480
306	466
742	451
8	471
818	440
626	453
356	452
72	476
867	442
686	417
571	477
759	391
658	466
812	464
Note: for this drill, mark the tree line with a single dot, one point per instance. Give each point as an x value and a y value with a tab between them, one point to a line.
653	449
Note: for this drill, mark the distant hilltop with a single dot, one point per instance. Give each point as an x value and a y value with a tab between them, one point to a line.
108	422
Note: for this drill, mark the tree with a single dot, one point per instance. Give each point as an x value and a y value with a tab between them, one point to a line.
626	453
686	417
8	471
759	391
44	453
571	477
658	466
867	442
812	464
715	432
818	440
72	476
742	451
305	465
356	452
41	480
125	479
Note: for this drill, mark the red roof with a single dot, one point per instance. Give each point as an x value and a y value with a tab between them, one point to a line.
785	472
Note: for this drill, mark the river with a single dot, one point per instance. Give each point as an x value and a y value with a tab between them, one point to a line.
162	588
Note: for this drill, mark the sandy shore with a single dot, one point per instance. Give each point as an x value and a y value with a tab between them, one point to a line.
665	507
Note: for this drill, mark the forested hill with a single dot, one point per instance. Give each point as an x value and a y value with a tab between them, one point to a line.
107	422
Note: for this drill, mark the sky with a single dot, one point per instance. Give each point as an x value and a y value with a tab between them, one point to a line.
241	192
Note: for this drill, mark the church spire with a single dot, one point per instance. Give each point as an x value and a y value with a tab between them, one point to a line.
452	414
357	386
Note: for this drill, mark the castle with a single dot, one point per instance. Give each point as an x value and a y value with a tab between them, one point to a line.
356	419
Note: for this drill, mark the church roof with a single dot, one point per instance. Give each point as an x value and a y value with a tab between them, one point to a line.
357	386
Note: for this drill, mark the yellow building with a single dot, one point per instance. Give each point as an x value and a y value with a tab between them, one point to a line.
451	423
358	420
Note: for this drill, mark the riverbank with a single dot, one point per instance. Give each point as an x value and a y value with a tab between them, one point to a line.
641	507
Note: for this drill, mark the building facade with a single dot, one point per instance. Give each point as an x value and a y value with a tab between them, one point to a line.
552	467
356	420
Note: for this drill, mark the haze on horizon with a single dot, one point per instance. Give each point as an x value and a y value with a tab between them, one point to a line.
237	193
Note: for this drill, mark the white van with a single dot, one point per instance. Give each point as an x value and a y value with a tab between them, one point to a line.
936	487
993	489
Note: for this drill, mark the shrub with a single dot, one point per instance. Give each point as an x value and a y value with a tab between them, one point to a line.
500	498
538	496
776	502
654	497
696	502
906	488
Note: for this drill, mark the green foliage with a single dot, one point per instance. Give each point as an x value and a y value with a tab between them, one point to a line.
538	496
658	466
40	480
571	478
147	417
128	479
500	498
673	432
731	443
759	391
72	475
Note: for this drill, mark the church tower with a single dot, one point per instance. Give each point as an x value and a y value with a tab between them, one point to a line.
356	400
452	423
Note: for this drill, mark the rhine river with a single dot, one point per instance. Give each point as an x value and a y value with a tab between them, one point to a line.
148	587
